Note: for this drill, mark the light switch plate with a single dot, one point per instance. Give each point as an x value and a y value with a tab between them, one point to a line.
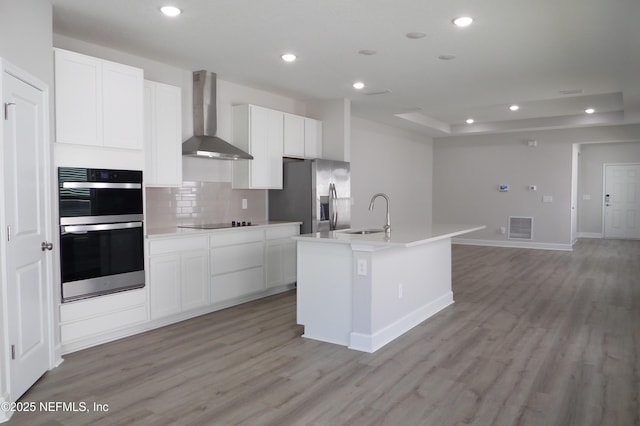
361	266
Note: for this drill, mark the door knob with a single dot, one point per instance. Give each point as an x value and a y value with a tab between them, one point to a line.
46	245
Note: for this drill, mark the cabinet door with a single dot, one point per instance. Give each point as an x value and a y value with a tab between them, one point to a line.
274	264
78	82
194	290
281	262
258	146
163	134
266	136
289	262
312	138
274	149
164	285
259	131
123	105
294	132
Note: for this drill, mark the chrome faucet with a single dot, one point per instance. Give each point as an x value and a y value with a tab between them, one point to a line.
387	225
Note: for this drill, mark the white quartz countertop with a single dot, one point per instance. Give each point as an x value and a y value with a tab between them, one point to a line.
401	236
175	231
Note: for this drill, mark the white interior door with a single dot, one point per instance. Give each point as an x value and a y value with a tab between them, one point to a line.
25	172
622	201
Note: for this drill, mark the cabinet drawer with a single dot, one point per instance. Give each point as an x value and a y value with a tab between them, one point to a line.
102	324
179	244
226	238
237	257
95	306
237	284
282	232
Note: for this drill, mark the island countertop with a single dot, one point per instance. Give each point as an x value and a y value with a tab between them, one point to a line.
401	236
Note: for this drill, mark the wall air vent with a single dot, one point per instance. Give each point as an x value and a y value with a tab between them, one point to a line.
520	228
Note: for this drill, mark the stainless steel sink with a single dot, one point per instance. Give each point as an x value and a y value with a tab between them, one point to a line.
364	231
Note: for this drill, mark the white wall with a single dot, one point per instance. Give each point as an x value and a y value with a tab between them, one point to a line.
590	181
25	41
25	36
468	170
393	161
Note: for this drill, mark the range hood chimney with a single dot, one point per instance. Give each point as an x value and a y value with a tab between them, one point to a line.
204	143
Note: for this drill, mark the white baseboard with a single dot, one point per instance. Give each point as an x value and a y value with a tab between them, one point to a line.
513	244
590	235
372	342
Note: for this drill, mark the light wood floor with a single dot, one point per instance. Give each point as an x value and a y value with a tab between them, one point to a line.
535	338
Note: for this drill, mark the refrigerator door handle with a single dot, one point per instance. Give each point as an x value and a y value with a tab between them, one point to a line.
333	194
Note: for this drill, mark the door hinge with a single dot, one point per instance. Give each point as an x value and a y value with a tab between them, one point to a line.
6	109
13	352
9	233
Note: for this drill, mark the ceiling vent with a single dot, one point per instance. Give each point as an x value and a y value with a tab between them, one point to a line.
520	228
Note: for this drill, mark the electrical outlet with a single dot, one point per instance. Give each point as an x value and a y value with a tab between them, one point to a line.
361	267
400	291
244	204
503	230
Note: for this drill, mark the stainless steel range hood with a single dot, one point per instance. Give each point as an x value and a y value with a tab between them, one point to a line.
204	143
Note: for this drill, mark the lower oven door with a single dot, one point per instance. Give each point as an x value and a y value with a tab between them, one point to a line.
99	259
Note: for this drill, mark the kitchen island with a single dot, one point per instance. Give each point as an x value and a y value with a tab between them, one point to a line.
363	290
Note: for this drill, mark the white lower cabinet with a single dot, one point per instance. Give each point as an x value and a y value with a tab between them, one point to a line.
237	264
86	322
187	275
194	288
281	255
178	275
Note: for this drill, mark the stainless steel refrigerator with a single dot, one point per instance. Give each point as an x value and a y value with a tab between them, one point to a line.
315	192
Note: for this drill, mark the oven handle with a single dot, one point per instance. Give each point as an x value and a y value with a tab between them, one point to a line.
77	229
101	185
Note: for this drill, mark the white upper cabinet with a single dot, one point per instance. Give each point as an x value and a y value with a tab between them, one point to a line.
162	134
78	93
312	138
302	137
98	102
293	135
123	110
258	131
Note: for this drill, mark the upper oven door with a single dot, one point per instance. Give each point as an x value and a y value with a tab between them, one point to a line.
86	193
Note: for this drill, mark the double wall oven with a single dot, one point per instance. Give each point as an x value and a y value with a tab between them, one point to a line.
101	231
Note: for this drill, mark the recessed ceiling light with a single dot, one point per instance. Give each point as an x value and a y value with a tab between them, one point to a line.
415	35
289	57
470	120
463	21
358	85
589	110
514	107
446	57
170	11
367	52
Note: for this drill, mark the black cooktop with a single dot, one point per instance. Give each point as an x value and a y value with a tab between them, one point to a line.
233	224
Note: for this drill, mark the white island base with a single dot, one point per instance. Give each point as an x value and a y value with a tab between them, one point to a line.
363	291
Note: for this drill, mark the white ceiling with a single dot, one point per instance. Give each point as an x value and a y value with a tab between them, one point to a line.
516	51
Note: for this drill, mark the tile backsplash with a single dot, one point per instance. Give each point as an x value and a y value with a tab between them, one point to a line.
203	202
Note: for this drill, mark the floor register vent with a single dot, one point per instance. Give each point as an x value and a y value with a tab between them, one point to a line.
520	228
